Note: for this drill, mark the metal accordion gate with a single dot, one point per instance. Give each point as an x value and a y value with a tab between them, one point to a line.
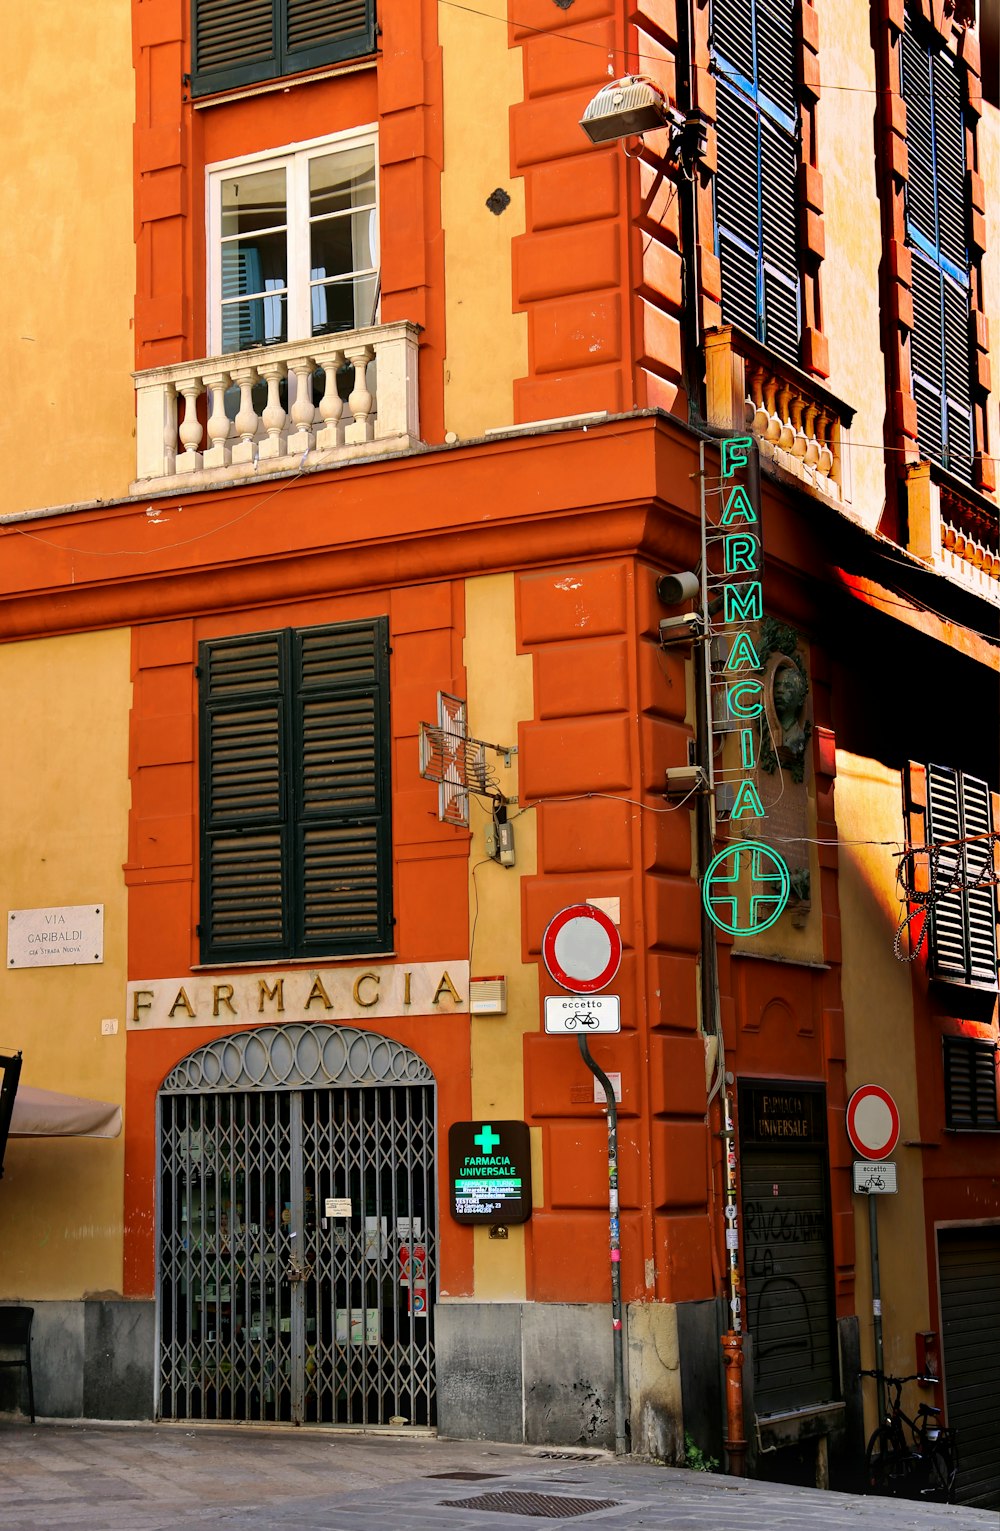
297	1230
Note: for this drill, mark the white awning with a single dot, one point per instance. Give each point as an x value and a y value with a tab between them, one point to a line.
47	1114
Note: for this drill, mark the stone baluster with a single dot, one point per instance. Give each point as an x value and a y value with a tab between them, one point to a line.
331	407
361	403
800	443
219	429
825	463
787	435
273	417
760	417
246	423
773	431
812	445
302	412
190	431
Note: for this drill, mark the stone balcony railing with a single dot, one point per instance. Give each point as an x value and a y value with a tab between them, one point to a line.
799	424
954	528
225	418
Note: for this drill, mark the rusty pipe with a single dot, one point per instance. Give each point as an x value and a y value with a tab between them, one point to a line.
736	1445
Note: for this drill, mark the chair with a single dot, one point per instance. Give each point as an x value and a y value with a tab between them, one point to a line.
15	1335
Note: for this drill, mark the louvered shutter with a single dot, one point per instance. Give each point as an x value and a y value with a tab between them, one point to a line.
970	1083
941	358
977	820
343	847
240	42
321	31
963	921
755	185
245	831
296	848
926	356
774	40
779	161
732	36
736	209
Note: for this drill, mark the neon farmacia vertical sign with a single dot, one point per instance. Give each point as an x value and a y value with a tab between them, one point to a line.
746	886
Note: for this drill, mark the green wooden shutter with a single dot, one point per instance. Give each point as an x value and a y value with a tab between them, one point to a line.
963	943
322	31
244	798
970	1083
343	846
233	42
241	42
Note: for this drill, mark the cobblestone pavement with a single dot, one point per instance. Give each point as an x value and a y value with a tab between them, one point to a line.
60	1477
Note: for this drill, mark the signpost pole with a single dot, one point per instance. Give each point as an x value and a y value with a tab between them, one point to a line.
876	1303
621	1440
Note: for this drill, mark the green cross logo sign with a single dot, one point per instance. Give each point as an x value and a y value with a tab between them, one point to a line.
746	910
487	1139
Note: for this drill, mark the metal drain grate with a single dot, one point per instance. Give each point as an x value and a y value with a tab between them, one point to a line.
465	1477
542	1506
567	1456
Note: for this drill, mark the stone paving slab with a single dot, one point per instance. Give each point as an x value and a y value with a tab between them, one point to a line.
78	1477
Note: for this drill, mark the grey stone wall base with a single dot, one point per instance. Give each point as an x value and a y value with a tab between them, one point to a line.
89	1360
543	1373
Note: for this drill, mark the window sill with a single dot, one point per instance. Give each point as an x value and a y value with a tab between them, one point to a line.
292	962
281	83
992	1129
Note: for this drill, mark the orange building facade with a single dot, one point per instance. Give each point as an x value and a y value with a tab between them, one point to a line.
430	392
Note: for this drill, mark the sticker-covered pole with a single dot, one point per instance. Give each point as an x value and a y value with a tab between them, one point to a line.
876	1305
621	1428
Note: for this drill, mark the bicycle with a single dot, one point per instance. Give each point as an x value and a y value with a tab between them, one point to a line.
925	1467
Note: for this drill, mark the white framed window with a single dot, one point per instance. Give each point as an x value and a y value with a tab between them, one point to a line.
293	243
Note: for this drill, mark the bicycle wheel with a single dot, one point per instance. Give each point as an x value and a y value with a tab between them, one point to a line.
887	1464
941	1461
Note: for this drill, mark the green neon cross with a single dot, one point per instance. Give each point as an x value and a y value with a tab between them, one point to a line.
487	1139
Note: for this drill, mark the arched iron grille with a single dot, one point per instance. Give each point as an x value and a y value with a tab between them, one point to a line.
297	1230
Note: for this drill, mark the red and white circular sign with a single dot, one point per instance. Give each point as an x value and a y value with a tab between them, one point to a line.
581	948
872	1122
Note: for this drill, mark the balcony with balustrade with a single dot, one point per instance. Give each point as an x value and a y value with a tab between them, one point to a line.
274	409
800	426
954	529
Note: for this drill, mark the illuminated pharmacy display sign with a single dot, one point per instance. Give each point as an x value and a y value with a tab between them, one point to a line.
489	1171
746	886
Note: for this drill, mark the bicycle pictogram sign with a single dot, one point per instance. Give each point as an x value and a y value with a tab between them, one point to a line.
745	888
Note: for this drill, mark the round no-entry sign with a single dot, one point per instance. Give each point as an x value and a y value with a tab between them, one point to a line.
872	1122
581	948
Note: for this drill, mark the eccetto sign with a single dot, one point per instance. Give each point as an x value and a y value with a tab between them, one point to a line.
306	994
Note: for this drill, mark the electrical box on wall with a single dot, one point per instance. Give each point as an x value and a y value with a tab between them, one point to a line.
488	996
500	841
928	1355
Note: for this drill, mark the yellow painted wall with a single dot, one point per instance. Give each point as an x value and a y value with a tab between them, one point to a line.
500	695
486	342
67	253
63	840
878	1015
849	275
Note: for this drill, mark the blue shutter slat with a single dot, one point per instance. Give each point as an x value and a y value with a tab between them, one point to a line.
775	34
732	34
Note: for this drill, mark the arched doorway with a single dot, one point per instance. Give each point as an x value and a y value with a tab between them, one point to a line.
297	1230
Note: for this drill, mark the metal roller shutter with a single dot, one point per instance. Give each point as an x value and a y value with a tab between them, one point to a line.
969	1265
